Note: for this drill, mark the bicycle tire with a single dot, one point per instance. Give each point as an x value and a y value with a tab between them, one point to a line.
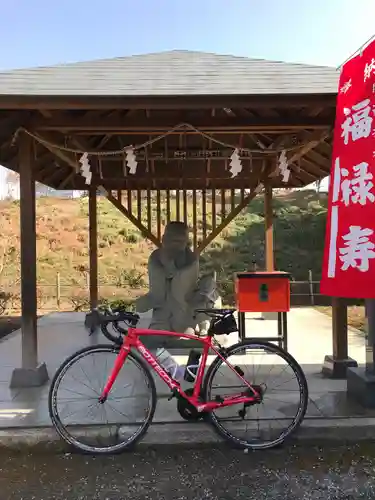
304	395
59	426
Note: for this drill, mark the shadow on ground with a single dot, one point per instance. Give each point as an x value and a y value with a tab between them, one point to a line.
9	324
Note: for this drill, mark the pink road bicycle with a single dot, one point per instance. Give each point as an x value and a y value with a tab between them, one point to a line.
234	410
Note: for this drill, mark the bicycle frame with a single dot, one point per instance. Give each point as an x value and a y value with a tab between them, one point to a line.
132	341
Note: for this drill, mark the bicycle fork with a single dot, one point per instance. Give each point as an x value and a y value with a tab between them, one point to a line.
119	363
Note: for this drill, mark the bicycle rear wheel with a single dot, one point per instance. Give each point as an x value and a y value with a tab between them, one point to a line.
123	419
249	427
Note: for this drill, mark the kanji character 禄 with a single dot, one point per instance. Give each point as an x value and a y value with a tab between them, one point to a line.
358	188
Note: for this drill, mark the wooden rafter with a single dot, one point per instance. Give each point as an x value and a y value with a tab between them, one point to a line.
56	174
248	126
65	157
46	113
225	221
134	220
212	211
313	141
312	169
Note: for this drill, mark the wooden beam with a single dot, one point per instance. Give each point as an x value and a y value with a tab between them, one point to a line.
66	157
145	231
65	182
49	102
313	169
190	154
103	141
319	159
246	200
93	248
56	174
46	113
314	140
192	183
217	124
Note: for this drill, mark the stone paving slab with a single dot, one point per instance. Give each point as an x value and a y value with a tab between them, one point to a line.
32	410
349	431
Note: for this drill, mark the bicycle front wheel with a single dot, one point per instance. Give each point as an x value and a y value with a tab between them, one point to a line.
86	423
279	379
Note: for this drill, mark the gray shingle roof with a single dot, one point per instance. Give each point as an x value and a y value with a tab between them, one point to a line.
171	73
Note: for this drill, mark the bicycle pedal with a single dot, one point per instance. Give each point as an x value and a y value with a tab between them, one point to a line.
174	394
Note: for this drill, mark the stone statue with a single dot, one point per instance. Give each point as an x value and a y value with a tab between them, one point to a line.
175	289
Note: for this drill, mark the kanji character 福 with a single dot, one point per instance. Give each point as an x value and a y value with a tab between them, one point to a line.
358	123
358	189
358	249
369	68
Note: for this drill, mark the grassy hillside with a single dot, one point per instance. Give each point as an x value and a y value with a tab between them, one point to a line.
62	247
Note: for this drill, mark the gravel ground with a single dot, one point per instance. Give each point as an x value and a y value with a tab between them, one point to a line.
221	473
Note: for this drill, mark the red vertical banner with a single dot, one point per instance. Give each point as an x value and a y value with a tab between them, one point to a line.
349	254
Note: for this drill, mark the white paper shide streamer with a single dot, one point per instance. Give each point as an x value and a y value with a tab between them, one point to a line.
85	168
284	167
130	159
235	163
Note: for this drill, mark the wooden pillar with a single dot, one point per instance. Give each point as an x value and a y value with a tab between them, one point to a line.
31	373
28	255
93	248
335	366
339	328
268	218
360	381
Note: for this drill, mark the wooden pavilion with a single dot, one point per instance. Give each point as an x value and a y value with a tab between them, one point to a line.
49	116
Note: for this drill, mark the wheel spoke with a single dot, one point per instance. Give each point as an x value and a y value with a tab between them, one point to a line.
282	406
97	427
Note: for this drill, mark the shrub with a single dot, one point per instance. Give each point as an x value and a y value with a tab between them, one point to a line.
80	302
5	298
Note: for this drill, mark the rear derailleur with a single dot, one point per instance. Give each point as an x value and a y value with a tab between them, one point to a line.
260	390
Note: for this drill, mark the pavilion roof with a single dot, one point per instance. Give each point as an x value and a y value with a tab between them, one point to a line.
171	73
105	105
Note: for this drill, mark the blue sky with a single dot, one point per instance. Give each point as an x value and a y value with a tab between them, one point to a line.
41	32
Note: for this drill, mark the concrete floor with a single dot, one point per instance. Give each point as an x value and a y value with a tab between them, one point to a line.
61	334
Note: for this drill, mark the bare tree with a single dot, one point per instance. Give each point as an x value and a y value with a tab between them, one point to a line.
12	181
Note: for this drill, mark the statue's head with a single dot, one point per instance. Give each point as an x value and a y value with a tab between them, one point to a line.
175	238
